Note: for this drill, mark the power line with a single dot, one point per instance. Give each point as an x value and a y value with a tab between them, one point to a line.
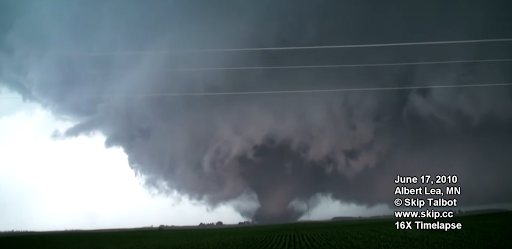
316	91
336	66
291	92
129	53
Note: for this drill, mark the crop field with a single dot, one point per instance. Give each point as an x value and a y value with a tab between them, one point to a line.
478	231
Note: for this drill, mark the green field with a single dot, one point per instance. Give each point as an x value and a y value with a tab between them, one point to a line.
478	231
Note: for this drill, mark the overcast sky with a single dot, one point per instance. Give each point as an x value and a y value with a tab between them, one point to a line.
87	150
53	185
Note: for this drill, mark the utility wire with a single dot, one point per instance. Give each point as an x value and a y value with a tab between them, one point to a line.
334	66
131	53
309	91
316	91
289	92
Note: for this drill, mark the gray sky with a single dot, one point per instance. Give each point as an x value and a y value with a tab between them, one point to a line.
248	155
57	187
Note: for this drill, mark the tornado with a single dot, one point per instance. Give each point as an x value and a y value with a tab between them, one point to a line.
154	78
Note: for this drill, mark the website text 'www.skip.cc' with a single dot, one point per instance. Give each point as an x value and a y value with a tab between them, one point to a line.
434	214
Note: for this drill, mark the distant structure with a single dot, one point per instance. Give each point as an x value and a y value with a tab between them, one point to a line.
246	222
162	227
209	224
18	231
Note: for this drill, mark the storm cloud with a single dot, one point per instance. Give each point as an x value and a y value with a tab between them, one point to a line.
75	58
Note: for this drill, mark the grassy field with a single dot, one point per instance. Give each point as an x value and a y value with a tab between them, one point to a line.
478	231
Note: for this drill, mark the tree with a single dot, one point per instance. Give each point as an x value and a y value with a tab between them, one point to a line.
219	223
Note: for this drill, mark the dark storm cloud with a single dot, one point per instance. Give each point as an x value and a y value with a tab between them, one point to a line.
280	147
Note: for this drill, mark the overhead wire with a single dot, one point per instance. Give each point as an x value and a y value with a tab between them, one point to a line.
305	67
146	52
287	92
335	65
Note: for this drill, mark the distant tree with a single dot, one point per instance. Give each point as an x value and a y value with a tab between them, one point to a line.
219	223
161	227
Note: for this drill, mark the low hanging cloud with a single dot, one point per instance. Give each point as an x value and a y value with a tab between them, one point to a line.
277	148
